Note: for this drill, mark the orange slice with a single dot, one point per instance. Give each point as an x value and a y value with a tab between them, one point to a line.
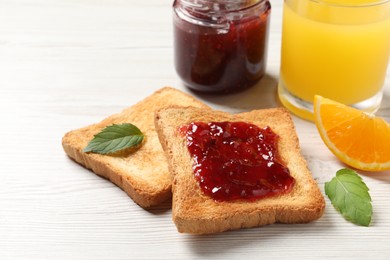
357	138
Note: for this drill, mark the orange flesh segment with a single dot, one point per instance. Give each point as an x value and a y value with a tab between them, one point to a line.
358	139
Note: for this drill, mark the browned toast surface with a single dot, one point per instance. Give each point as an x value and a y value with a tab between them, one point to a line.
195	212
143	174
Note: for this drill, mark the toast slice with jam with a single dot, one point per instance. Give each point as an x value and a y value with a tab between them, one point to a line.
196	210
142	174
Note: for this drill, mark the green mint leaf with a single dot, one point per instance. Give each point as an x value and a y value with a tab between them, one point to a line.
115	138
349	195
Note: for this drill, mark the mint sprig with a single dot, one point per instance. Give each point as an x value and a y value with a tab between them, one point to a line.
115	138
349	195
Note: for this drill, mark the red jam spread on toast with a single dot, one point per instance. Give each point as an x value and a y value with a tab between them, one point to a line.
236	160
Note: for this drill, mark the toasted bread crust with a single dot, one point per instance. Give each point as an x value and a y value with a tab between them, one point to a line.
195	212
143	174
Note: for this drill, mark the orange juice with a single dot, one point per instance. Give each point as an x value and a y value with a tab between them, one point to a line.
335	50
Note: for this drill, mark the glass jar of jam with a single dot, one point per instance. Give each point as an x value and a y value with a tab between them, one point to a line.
220	45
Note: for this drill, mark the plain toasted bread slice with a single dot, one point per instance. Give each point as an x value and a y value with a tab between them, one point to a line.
143	174
195	212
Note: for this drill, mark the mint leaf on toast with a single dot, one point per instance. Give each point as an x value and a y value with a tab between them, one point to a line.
115	138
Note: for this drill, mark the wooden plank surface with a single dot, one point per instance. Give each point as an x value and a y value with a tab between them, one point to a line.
66	64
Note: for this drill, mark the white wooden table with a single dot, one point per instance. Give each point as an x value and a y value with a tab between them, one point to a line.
66	64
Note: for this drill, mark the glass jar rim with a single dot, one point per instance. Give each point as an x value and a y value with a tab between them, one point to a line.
242	5
208	13
350	5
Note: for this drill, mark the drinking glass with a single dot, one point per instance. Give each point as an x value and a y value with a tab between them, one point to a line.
338	49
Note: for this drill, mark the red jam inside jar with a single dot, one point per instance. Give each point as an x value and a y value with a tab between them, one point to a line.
236	160
220	45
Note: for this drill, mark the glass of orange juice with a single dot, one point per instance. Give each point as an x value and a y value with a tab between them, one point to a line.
338	49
